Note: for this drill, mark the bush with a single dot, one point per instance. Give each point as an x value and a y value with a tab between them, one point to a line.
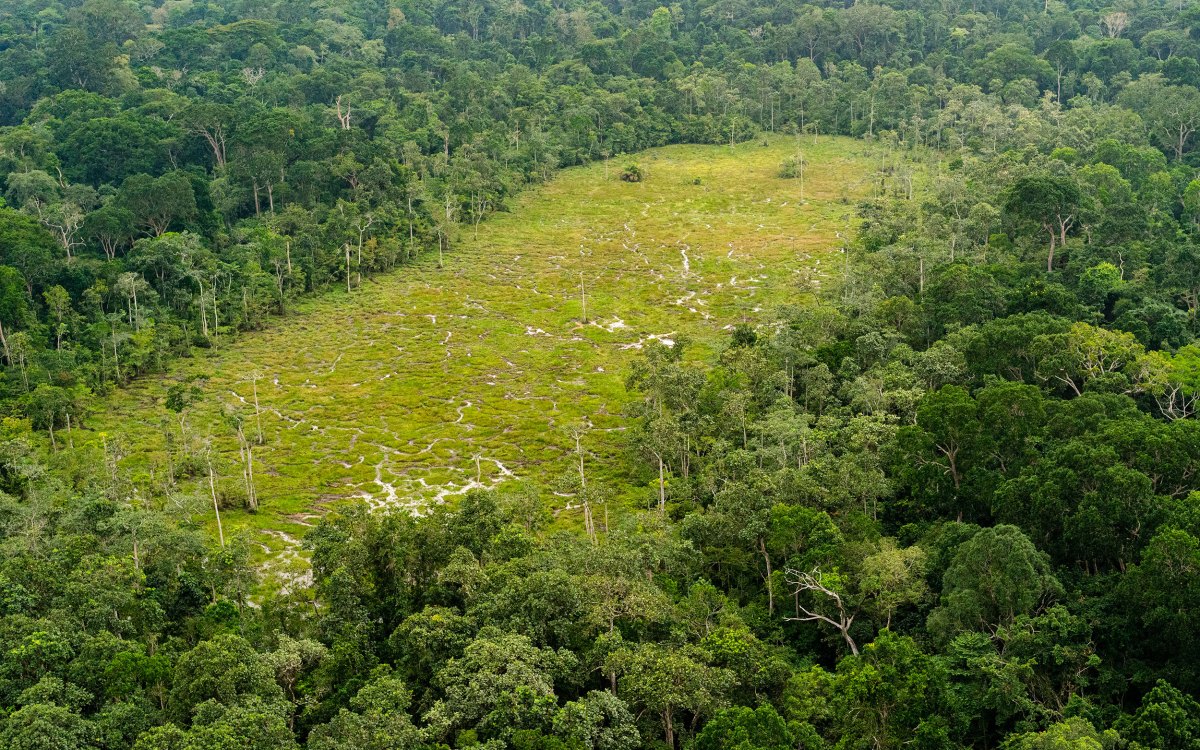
791	167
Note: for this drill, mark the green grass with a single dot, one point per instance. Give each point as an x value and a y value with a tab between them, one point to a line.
389	393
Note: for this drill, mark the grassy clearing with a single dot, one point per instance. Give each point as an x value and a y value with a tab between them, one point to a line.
431	381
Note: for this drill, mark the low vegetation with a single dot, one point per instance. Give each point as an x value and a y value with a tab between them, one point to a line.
419	386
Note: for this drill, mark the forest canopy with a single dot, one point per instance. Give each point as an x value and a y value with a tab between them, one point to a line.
952	503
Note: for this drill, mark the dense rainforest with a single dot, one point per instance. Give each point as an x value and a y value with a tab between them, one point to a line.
949	505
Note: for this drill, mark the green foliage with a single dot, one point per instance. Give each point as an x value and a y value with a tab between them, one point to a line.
222	672
378	719
746	728
994	577
1167	718
1073	734
973	462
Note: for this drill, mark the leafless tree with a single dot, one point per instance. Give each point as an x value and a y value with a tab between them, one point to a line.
1177	402
253	75
343	119
1114	24
814	582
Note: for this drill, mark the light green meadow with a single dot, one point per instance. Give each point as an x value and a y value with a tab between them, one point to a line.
430	381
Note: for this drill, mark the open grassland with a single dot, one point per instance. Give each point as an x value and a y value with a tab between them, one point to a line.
431	381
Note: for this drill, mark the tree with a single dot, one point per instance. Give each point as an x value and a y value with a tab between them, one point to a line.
669	389
77	61
111	226
34	190
1089	354
1161	590
1010	62
13	308
49	407
501	683
1167	719
829	601
214	124
1172	113
948	428
40	726
1061	56
108	21
377	720
156	204
130	285
1024	674
892	578
598	721
166	737
260	152
58	302
1114	23
1015	415
871	29
226	670
995	576
249	725
891	696
1050	201
28	247
670	682
107	150
745	728
1076	733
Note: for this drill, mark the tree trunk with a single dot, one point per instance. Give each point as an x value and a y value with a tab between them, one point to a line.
116	355
4	344
257	412
762	545
203	312
662	488
250	476
216	312
212	486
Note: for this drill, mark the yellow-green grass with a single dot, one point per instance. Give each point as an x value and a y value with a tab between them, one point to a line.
390	393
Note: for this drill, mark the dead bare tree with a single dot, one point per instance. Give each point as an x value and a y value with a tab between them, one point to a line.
343	119
1177	402
814	583
253	75
1114	24
589	523
212	487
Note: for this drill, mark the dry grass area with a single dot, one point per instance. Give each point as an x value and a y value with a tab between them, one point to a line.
428	382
